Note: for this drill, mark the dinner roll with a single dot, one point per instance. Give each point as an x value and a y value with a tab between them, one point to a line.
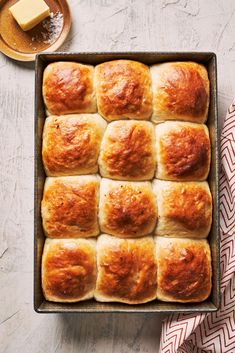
127	208
184	269
180	92
127	270
184	208
71	144
183	151
69	269
70	206
128	151
68	88
123	89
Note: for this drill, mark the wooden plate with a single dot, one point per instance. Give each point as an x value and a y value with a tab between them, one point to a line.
47	35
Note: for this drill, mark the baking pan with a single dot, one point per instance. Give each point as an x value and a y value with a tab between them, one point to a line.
149	58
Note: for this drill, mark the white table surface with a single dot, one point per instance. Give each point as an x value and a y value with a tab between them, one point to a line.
98	25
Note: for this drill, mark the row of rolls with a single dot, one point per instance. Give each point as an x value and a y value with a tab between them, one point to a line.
133	150
127	89
131	271
126	207
85	206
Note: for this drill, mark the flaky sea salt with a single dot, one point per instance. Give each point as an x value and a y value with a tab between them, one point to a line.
52	27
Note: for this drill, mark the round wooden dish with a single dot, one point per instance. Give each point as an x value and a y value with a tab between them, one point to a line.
47	35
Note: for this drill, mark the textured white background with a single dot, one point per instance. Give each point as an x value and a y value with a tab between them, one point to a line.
98	25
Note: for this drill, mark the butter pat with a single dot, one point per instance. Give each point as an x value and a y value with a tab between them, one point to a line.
29	13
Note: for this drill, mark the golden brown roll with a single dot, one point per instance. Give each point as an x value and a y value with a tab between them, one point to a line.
71	144
183	151
69	269
184	208
128	151
68	88
180	92
127	270
184	269
123	89
70	206
127	208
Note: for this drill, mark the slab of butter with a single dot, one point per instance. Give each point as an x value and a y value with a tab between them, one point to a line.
28	13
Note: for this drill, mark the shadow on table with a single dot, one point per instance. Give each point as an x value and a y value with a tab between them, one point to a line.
27	65
112	332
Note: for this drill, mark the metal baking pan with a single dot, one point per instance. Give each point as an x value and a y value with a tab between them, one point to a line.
149	58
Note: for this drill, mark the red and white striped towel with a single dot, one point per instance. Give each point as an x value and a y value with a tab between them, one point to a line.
213	332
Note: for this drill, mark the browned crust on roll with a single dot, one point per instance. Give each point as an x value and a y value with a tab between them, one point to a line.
68	88
190	206
185	151
123	90
127	271
127	151
129	210
69	209
71	144
184	90
184	270
181	91
69	270
184	208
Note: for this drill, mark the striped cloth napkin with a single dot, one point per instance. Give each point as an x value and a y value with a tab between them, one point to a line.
213	332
